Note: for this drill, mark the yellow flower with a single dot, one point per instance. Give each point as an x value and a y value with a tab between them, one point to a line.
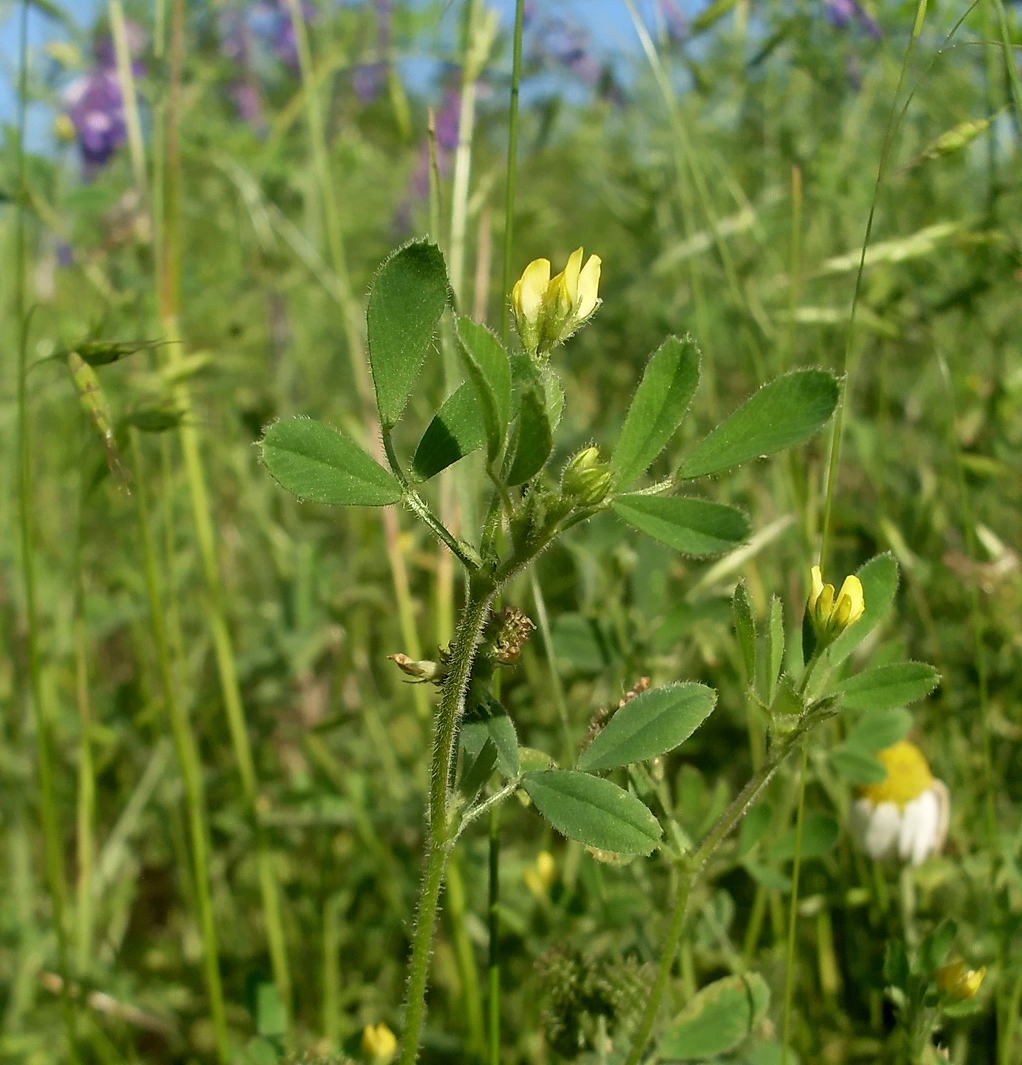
378	1044
831	614
906	814
959	983
548	310
539	878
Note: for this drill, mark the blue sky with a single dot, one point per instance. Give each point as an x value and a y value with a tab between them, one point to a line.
607	21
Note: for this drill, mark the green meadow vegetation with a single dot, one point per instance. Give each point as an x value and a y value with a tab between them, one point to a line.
424	641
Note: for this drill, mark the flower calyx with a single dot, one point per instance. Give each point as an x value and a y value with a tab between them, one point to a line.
506	634
586	480
548	310
830	613
421	671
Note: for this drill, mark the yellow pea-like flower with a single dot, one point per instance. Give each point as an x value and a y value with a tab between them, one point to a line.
548	310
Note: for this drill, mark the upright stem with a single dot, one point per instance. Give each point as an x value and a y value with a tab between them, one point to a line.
351	314
847	366
216	615
84	909
692	869
44	754
452	703
188	759
789	975
512	164
493	923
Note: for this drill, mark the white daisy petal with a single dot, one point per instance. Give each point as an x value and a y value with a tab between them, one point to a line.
882	832
927	825
909	826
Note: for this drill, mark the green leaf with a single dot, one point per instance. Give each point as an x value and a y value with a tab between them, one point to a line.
478	760
745	628
717	1019
885	687
856	766
593	811
896	968
487	366
782	413
880	729
692	526
535	439
271	1017
409	294
879	578
318	463
652	723
456	430
934	948
819	834
660	404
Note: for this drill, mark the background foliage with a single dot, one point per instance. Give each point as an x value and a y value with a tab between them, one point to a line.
727	199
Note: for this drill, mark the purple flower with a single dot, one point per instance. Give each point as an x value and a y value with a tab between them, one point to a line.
96	109
556	42
842	13
369	78
674	21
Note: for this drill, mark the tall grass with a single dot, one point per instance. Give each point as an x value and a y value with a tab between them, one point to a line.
778	186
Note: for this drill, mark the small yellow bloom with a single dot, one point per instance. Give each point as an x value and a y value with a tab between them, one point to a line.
540	877
378	1044
959	983
831	614
548	310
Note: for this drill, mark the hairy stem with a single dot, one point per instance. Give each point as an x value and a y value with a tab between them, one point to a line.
452	704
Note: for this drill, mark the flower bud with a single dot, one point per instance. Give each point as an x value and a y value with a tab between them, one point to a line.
958	983
378	1044
421	672
586	481
831	614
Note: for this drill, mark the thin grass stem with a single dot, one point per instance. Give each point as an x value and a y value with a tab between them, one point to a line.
44	752
796	869
187	756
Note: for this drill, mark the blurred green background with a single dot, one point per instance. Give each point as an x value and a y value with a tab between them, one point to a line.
725	171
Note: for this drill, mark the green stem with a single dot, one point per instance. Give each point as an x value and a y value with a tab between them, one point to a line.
216	616
847	365
463	951
188	759
44	754
512	165
452	704
351	315
493	927
692	869
789	975
463	153
84	909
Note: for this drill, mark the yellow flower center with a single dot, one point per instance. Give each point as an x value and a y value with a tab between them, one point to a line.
908	775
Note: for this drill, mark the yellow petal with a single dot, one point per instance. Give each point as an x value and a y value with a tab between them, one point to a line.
851	592
527	295
571	275
825	604
588	287
816	589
